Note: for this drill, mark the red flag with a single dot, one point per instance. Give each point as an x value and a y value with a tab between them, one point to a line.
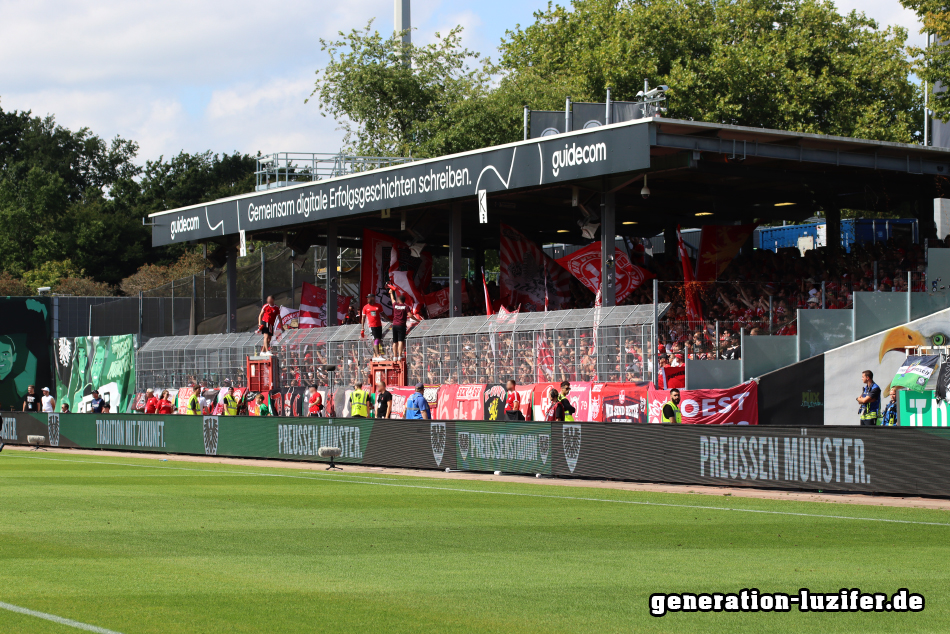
585	266
374	268
438	302
313	307
694	311
545	369
412	275
522	278
488	311
718	246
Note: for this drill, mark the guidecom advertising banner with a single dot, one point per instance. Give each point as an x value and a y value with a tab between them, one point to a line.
733	406
568	157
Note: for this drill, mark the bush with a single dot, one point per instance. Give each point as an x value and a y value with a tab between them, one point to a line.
151	276
12	287
83	287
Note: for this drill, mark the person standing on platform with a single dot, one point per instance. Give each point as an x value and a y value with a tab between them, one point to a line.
671	409
359	402
870	399
315	402
266	321
513	402
401	314
47	402
372	316
230	403
417	407
384	400
890	410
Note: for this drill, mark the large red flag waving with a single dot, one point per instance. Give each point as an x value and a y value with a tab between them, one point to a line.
694	311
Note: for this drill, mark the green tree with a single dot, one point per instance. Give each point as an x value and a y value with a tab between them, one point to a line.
387	107
786	64
932	62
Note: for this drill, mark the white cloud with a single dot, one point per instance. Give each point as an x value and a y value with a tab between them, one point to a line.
886	13
221	75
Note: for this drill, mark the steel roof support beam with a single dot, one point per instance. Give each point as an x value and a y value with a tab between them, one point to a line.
751	149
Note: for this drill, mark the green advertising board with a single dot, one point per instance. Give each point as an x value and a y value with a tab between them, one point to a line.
921	409
514	447
239	436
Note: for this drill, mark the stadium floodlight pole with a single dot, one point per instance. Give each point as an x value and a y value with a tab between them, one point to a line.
654	357
526	123
402	25
926	103
607	114
567	114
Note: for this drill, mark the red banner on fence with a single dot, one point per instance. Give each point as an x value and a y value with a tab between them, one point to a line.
400	396
579	397
619	402
734	406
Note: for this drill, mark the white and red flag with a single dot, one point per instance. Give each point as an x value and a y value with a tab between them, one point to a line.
528	274
584	264
313	307
488	310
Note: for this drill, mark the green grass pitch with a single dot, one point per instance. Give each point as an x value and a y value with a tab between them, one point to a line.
137	545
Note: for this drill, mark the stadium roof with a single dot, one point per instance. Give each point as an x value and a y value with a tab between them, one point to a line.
698	173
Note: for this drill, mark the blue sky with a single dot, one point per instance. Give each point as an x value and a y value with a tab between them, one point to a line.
221	75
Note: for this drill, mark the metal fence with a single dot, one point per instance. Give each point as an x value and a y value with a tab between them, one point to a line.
171	362
289	168
576	345
605	344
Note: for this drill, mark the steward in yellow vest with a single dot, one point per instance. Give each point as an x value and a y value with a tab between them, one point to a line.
193	408
359	399
230	403
671	409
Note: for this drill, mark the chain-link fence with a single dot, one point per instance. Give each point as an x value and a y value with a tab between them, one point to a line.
602	344
214	360
608	344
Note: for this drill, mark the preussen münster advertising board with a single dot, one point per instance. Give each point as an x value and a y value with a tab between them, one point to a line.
901	460
565	158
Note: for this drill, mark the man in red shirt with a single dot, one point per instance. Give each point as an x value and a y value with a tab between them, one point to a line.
266	321
513	402
151	402
316	402
402	312
372	316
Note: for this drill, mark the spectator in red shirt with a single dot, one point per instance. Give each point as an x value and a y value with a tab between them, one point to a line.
513	402
372	316
316	402
164	405
402	312
151	403
266	321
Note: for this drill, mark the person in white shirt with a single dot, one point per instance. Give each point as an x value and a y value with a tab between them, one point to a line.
48	402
